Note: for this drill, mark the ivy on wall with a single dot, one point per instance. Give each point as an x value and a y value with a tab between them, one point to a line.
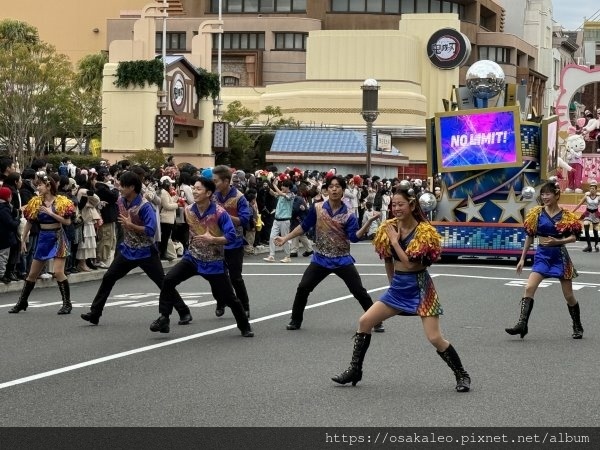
207	84
138	73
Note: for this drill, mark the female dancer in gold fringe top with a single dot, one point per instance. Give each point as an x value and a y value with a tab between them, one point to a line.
409	244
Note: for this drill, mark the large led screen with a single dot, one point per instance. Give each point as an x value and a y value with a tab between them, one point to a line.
478	139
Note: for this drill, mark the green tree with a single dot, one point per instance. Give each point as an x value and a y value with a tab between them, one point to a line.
85	113
248	136
89	72
15	32
36	90
151	158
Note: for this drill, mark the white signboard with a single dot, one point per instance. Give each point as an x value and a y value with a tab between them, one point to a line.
384	142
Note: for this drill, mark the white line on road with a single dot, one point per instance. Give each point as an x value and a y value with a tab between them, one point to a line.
147	348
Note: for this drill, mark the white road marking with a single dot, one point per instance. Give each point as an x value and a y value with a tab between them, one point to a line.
147	348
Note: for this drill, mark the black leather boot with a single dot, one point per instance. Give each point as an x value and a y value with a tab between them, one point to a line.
65	292
22	303
353	374
521	325
577	327
463	380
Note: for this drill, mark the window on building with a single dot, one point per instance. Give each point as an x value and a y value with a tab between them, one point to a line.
392	6
243	41
230	81
175	41
501	55
258	6
397	6
290	41
407	6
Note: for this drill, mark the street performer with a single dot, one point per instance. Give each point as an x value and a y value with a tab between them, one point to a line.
408	243
211	229
50	212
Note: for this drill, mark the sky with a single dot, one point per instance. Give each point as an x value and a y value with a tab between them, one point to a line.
570	13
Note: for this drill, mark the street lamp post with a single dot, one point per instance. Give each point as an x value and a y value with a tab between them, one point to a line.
369	113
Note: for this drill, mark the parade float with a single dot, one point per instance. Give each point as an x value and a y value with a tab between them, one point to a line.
488	162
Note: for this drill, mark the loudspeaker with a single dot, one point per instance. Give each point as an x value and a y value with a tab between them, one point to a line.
510	94
464	98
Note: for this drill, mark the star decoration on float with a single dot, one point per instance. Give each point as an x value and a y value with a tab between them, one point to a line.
511	207
472	210
446	206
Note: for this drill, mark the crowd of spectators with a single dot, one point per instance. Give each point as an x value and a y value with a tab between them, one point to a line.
95	232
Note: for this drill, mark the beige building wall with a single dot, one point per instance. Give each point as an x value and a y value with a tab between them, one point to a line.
337	63
70	25
127	117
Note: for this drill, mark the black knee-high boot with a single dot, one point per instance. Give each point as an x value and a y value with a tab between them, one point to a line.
521	325
463	380
65	293
22	303
577	327
353	374
586	231
596	241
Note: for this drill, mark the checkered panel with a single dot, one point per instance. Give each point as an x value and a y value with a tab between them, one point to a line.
163	132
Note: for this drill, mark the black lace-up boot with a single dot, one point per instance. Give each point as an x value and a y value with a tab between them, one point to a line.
463	380
521	325
22	303
577	327
65	292
353	374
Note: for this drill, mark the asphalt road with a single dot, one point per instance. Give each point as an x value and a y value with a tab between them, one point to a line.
60	371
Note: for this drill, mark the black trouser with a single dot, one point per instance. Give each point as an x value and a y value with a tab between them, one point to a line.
120	267
234	260
165	234
181	233
220	286
315	273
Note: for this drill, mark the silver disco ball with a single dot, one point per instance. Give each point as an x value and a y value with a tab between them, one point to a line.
405	185
528	192
428	202
485	79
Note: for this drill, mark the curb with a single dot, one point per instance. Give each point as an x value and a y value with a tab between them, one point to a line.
74	278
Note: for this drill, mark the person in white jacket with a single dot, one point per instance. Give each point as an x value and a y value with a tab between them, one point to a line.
168	208
350	198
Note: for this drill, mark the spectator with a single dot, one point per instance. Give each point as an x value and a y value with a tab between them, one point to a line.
168	208
107	232
283	217
9	225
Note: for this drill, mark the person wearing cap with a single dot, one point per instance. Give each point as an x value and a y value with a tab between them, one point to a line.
168	208
50	211
236	205
591	216
8	225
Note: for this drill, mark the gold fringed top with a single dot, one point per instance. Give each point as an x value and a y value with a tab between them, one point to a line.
62	206
426	245
381	240
568	224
